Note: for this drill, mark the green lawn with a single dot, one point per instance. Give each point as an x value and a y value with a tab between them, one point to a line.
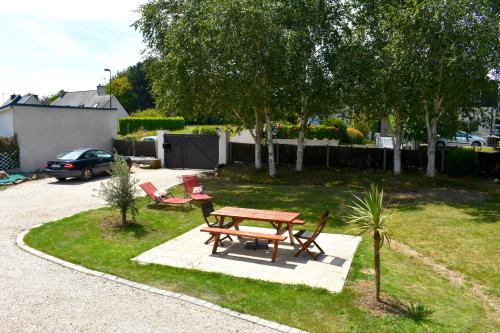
453	221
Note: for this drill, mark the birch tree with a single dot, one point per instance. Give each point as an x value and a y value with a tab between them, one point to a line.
314	30
220	58
454	45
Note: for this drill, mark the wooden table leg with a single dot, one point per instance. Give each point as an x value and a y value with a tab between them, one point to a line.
216	243
290	233
221	221
275	251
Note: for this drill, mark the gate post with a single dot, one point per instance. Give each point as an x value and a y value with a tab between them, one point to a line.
159	147
223	147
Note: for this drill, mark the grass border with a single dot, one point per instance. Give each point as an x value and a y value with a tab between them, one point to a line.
189	299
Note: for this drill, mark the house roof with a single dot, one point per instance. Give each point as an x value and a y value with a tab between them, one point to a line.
18	99
88	98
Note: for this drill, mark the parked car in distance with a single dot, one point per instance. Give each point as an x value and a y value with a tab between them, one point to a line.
149	138
82	163
461	139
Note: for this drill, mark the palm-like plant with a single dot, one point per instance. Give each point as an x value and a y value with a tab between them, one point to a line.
369	215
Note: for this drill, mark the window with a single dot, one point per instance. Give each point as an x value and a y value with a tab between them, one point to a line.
90	154
103	154
69	155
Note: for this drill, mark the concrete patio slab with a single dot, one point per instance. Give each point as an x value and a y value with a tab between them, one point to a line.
329	272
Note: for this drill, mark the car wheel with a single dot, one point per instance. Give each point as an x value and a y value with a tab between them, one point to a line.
87	174
61	179
476	144
440	144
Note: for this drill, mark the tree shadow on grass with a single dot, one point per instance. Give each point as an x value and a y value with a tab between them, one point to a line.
136	229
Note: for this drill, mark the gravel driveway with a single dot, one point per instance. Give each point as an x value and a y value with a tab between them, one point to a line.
37	295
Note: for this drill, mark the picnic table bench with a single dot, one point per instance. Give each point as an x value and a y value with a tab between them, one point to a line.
216	232
276	218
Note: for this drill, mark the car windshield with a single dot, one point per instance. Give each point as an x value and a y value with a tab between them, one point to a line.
69	155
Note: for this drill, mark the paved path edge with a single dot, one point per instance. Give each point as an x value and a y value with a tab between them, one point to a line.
189	299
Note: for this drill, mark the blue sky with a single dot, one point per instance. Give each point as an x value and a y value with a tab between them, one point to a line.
54	44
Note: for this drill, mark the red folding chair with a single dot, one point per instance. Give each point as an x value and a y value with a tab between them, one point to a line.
190	182
167	199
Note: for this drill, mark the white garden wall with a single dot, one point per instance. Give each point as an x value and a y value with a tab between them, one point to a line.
44	132
6	123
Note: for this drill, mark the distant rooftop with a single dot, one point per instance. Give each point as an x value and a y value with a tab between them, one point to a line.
88	98
18	99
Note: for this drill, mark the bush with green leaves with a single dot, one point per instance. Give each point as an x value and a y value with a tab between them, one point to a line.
119	192
132	124
461	162
204	130
319	132
148	113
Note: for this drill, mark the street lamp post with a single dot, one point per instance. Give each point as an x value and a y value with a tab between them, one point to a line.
109	70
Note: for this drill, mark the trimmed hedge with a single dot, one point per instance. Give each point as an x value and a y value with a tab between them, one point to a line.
461	162
204	130
130	125
320	132
8	144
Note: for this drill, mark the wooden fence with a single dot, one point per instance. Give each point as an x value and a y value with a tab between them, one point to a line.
356	157
135	148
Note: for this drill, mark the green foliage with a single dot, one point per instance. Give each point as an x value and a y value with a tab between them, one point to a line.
132	124
122	90
148	113
336	122
320	132
132	88
361	122
204	130
418	312
370	213
119	192
8	144
461	162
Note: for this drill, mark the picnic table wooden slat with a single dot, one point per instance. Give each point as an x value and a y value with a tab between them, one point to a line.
256	214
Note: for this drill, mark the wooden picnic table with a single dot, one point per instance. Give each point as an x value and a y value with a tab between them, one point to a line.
276	218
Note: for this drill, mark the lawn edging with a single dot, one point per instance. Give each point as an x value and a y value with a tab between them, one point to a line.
189	299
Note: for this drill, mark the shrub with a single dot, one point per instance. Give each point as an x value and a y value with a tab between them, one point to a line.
355	136
8	144
287	131
204	130
119	191
132	124
148	113
460	162
335	122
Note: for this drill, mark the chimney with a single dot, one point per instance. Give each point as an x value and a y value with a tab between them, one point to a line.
101	90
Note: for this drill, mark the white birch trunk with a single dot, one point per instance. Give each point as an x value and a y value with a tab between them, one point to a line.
299	163
397	145
258	141
270	145
432	124
431	145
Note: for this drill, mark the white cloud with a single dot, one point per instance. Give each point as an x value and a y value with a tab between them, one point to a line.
52	45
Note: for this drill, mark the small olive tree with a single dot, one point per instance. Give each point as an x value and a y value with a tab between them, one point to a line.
368	215
119	191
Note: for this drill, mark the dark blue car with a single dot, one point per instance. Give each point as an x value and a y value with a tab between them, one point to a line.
82	163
